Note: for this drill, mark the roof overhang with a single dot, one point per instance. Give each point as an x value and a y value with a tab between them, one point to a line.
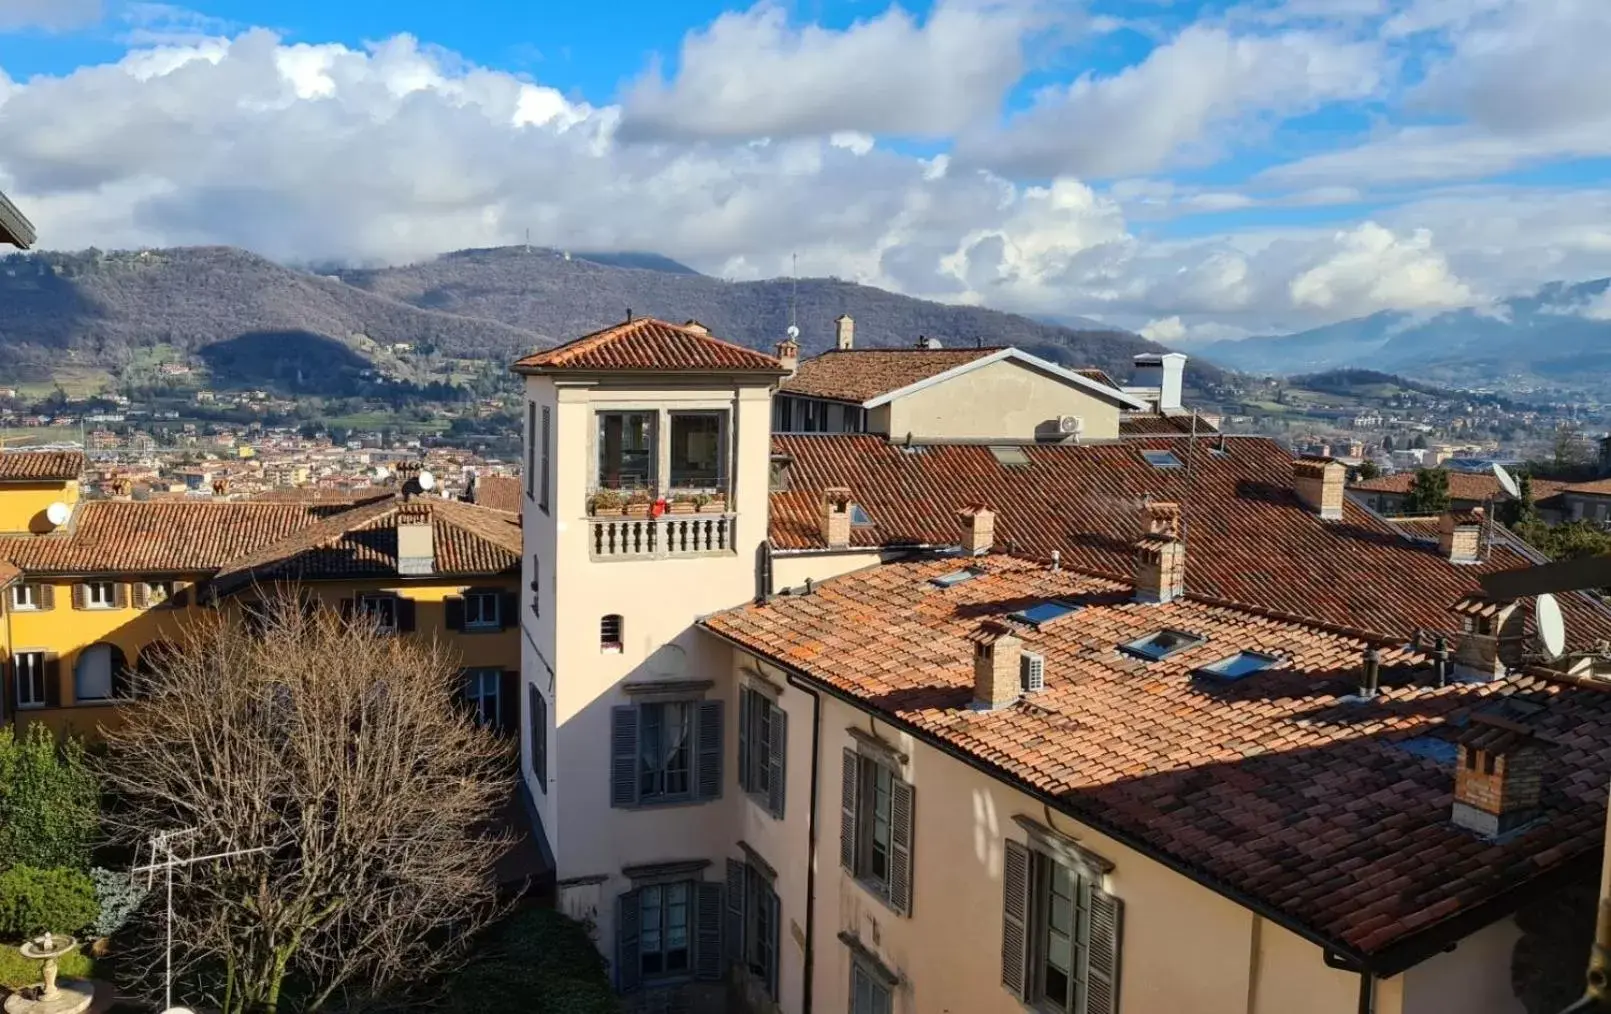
14	228
1023	358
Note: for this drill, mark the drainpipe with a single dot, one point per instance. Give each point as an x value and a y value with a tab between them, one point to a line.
811	838
1367	993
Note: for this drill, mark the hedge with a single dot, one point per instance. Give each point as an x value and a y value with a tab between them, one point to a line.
33	900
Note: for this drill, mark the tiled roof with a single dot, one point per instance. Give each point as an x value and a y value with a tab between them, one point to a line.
324	495
1333	813
40	466
1153	424
858	375
500	492
9	572
649	344
1251	539
1599	487
1462	485
1100	376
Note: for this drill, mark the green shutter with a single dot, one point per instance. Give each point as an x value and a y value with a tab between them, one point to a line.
744	710
624	755
1101	973
709	731
708	931
900	846
1014	917
628	965
779	723
735	911
849	789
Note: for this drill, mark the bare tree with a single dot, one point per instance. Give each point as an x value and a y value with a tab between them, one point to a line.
335	748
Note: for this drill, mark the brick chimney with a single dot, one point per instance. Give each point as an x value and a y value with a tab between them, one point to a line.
844	333
1491	631
1160	562
1319	483
220	487
836	517
978	529
416	548
1460	535
789	355
1498	778
997	666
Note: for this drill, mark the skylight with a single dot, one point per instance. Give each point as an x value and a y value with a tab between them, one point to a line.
1043	612
1010	456
1161	459
1158	646
1237	666
858	517
954	577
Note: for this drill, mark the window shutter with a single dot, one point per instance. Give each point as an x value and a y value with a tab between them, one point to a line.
47	596
53	681
628	968
735	911
710	749
80	595
405	614
775	927
120	672
543	477
1014	917
708	932
1102	955
453	607
780	732
509	704
508	610
744	711
624	755
142	595
848	791
900	846
120	595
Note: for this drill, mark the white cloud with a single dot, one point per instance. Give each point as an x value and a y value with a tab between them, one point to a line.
1374	269
1165	330
51	15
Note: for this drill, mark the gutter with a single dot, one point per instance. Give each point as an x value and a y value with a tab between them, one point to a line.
809	961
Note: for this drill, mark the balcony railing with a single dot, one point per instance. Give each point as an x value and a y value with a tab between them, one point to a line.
670	535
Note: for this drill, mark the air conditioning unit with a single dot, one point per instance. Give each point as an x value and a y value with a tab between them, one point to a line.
1070	425
1032	672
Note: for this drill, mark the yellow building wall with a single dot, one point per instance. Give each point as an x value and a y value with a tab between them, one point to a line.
22	504
1004	399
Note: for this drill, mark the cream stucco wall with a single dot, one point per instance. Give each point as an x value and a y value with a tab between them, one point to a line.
1475	976
791	571
1004	399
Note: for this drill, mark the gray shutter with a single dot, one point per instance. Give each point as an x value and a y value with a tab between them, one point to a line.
628	966
624	755
1102	954
735	911
780	732
744	710
774	926
708	932
900	846
709	732
1014	917
849	789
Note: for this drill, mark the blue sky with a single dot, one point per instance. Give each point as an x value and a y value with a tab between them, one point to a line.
1198	169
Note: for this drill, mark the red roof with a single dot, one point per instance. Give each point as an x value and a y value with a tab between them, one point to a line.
858	375
650	345
1334	813
1478	486
40	466
1251	539
1154	424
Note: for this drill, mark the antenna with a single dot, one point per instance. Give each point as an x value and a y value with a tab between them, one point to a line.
1551	628
1185	501
794	294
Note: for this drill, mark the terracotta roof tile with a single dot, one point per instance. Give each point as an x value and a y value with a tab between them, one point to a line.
1462	485
1276	786
649	344
858	375
1153	424
1599	487
40	466
500	492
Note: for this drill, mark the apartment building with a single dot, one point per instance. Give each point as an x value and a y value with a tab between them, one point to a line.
90	590
1008	719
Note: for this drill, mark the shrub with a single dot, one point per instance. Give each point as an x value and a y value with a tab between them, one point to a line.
538	962
49	801
33	900
116	898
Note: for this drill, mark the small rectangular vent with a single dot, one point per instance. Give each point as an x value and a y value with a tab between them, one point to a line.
1032	672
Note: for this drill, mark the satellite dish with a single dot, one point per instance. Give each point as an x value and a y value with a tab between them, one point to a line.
178	1010
381	475
1551	629
1506	481
58	513
427	480
792	331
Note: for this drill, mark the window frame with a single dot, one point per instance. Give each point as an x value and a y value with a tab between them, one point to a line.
690	888
531	449
651	476
1135	647
706	744
479	595
858	846
608	646
90	596
543	464
763	750
475	694
39	673
1044	869
662	771
166	601
537	732
111	674
1096	922
33	605
723	450
366	604
862	970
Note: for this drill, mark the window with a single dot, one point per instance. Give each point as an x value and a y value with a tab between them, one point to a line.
762	738
1159	646
859	518
536	586
875	833
1161	459
531	450
1060	933
542	465
100	595
778	473
156	593
698	458
1044	612
1009	456
816	416
664	946
626	450
668	929
481	611
665	752
1242	664
381	610
753	919
99	673
26	597
955	577
537	732
481	694
782	414
610	633
869	991
33	676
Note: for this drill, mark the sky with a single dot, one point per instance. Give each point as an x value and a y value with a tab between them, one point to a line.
1191	169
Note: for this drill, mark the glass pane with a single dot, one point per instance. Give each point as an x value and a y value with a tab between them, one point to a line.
649	938
697	461
649	736
861	1000
677	753
626	450
882	785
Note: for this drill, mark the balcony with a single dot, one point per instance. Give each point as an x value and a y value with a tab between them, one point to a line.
666	537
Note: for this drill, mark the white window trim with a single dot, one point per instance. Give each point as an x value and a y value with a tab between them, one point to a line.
89	594
16	701
477	679
364	606
32	605
496	623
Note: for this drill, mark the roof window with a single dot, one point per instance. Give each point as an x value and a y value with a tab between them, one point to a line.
1238	666
1161	459
1156	647
1044	612
955	577
859	518
1009	456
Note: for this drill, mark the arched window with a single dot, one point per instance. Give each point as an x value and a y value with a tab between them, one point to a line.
100	674
610	633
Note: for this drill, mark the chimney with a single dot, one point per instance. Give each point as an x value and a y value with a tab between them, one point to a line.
1492	633
836	517
1370	673
997	666
925	342
789	355
416	549
1499	774
844	333
220	487
696	327
978	529
1318	481
1160	563
1163	371
1460	535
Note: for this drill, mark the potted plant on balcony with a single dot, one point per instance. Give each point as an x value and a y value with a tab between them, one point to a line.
606	503
683	503
638	503
711	503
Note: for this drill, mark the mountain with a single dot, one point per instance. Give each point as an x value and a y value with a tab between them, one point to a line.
1560	334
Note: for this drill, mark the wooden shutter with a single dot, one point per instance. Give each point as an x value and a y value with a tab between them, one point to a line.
508	610
1014	917
453	606
849	790
120	671
509	704
120	595
1102	954
745	707
405	614
735	911
80	596
900	845
709	731
53	680
624	755
779	723
708	931
142	595
47	596
628	967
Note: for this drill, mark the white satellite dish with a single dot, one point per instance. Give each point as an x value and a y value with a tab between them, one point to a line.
58	513
1507	482
427	480
792	331
381	475
1551	629
178	1010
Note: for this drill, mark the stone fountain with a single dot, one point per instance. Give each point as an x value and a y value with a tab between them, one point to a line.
70	996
